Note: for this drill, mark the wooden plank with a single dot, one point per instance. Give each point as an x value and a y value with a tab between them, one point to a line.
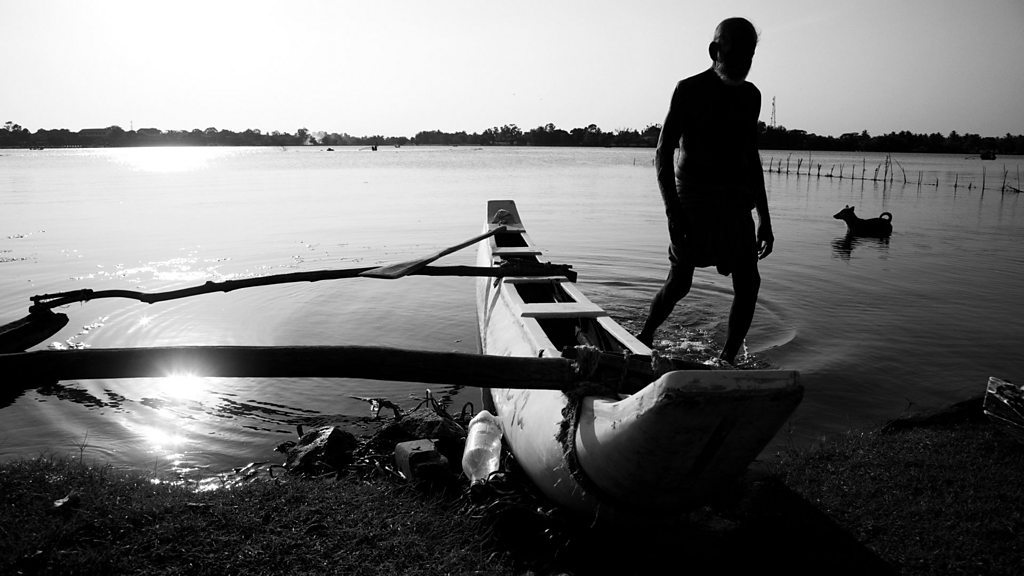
367	362
515	251
623	336
562	310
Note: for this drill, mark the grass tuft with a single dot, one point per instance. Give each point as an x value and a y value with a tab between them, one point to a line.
920	500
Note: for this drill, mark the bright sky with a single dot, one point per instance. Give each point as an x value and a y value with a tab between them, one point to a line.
396	67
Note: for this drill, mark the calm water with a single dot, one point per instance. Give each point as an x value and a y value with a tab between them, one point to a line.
875	327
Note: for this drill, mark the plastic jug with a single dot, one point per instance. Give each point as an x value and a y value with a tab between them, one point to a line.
482	454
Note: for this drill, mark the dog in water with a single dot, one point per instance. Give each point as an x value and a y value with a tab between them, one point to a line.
880	227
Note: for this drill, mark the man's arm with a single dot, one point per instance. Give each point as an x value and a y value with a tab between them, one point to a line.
664	156
765	236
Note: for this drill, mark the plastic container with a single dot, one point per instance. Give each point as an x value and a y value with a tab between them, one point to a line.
482	455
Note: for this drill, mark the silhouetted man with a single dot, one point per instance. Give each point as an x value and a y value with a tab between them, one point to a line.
710	192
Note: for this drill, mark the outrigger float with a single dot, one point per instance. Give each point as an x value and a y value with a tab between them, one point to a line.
600	423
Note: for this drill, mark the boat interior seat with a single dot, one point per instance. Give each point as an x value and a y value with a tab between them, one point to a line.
562	310
515	251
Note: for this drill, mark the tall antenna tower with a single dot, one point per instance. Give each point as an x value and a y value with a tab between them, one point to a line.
773	111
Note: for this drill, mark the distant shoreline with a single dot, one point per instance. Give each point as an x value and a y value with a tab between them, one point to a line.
13	136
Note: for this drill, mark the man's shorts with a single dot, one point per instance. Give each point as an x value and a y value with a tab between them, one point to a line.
726	241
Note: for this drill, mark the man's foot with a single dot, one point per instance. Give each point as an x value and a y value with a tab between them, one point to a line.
720	363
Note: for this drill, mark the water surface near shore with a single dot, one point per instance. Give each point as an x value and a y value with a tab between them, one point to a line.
875	326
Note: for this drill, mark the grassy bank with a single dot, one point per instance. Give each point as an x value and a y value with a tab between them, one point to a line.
933	499
943	497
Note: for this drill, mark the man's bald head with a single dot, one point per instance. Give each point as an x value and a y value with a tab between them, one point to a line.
733	49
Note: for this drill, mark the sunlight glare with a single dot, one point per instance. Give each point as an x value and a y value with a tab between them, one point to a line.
183	386
161	440
166	159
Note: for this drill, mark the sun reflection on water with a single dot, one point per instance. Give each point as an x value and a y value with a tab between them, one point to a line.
183	386
167	433
166	159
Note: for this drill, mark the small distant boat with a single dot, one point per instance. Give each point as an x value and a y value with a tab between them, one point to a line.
646	444
987	155
1004	406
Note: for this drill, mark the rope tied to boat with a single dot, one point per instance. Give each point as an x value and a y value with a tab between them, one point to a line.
587	360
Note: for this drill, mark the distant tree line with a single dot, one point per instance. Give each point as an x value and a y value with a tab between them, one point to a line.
547	135
770	138
779	138
14	136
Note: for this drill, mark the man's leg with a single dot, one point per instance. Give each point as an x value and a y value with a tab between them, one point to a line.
677	285
746	281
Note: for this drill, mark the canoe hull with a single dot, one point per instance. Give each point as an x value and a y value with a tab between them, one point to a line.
663	449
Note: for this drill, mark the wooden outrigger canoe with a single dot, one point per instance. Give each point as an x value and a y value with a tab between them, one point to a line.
634	447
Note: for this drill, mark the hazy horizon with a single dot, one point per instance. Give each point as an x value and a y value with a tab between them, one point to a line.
315	132
399	67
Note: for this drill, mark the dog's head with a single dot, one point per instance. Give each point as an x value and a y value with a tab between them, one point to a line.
845	213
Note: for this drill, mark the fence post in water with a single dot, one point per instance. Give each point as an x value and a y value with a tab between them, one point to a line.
903	170
983	178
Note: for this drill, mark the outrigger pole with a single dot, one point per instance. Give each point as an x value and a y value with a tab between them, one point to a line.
42	322
30	369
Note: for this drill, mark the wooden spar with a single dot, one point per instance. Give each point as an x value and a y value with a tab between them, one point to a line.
526	269
367	362
393	271
623	373
41	323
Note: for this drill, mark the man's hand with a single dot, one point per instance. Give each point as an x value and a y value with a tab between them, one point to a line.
676	229
765	240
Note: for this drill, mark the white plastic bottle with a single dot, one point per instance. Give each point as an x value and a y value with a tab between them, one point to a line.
482	454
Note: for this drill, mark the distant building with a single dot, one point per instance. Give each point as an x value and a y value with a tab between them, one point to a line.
93	136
